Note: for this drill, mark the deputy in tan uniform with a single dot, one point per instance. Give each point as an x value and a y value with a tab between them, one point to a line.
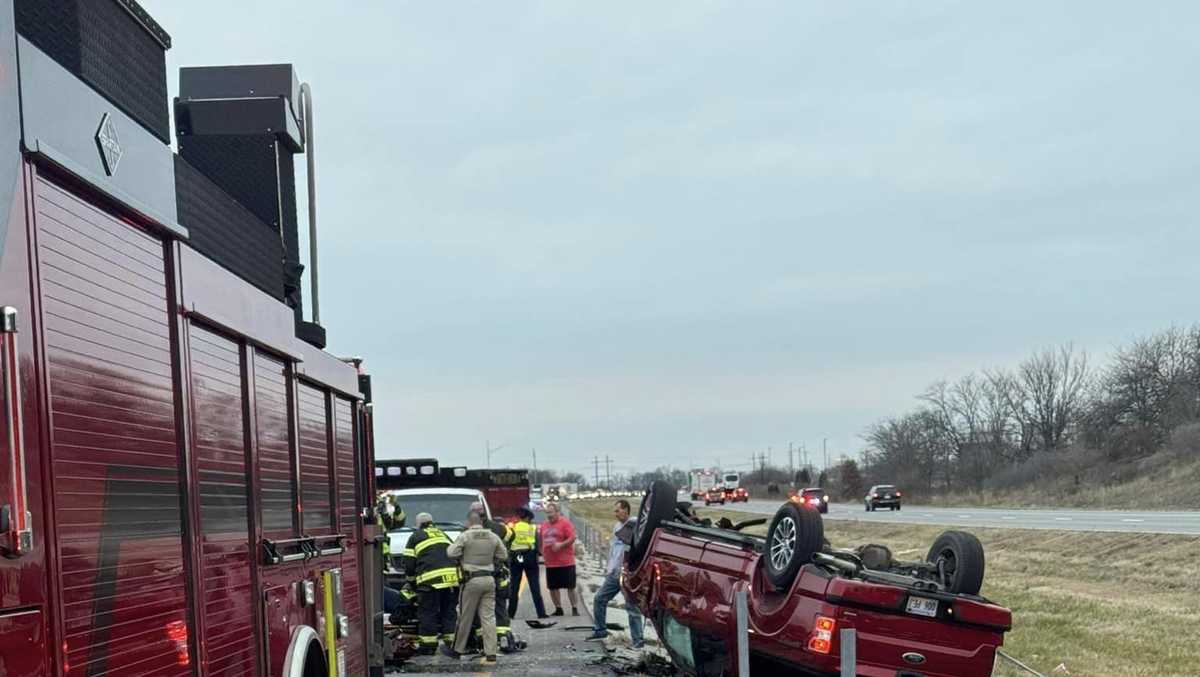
479	552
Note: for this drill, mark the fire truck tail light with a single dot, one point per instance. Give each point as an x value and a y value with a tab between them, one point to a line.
821	639
177	632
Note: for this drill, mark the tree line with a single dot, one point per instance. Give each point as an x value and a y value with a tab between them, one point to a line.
996	428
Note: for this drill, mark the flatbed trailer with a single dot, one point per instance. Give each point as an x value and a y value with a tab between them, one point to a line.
185	473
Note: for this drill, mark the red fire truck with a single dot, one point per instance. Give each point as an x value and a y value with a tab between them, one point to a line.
185	473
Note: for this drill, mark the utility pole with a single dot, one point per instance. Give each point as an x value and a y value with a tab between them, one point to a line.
490	449
534	467
607	472
596	471
791	464
825	451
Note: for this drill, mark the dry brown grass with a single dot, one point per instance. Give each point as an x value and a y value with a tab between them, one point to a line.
1169	486
1100	604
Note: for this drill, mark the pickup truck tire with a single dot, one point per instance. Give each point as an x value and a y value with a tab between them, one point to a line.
658	505
795	535
961	554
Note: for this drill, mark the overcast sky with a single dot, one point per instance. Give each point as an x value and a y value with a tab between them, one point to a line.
683	232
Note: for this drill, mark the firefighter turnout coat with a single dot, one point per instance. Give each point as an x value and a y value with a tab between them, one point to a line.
426	562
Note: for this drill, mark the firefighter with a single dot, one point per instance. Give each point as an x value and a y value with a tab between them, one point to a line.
503	577
523	559
391	514
436	578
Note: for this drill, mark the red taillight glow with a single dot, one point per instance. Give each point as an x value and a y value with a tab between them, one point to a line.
66	662
177	632
821	640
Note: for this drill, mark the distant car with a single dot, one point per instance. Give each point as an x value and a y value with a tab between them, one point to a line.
813	497
715	495
735	495
882	495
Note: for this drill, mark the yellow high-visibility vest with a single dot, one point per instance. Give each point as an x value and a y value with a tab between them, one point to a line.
524	536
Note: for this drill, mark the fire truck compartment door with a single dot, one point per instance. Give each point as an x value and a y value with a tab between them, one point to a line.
23	644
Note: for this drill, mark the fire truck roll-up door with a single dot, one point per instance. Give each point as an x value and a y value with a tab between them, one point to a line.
219	448
348	523
113	440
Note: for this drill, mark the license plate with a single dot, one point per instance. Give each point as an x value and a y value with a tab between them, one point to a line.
922	606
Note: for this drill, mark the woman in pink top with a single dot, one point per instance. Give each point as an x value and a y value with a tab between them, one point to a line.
558	549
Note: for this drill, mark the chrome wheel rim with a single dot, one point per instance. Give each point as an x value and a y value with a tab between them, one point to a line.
783	543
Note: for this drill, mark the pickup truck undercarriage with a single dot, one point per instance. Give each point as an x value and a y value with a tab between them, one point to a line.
909	618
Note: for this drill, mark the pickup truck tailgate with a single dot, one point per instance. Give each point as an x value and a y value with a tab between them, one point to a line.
891	643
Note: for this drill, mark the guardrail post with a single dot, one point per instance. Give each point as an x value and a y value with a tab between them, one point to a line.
743	633
849	652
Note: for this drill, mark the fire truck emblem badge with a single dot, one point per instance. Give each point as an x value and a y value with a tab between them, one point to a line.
109	144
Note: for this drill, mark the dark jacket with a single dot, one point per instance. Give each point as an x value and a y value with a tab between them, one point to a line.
426	562
501	530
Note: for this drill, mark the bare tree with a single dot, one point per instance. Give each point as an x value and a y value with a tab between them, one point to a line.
1050	394
1151	388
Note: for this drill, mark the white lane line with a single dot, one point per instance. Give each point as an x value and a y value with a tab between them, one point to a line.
1062	519
1132	520
929	514
964	517
1007	517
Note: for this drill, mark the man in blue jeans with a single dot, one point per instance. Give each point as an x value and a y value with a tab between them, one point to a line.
621	539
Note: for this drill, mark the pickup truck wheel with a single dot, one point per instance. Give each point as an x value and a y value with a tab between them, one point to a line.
658	505
960	555
794	536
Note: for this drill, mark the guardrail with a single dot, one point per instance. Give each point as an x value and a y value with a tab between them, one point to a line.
592	539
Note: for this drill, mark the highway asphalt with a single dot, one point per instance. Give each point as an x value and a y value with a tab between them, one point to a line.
1151	522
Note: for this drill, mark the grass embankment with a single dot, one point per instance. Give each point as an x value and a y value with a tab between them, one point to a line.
1164	481
1098	603
1173	487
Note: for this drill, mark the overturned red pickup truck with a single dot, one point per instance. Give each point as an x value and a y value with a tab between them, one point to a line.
909	619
